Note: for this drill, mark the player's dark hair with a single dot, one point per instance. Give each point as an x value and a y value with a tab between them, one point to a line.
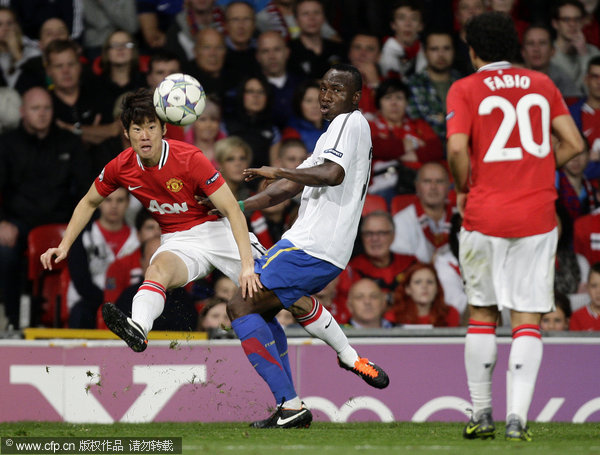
390	86
558	4
562	301
595	61
58	46
162	55
493	36
354	74
138	107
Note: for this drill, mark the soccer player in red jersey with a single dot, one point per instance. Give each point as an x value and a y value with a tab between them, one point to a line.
165	175
500	122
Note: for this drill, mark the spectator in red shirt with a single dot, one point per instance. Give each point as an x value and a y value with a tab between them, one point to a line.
588	317
420	300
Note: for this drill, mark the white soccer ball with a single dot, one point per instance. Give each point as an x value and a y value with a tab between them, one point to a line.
179	99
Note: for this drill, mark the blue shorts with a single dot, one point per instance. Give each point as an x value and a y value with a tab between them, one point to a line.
291	273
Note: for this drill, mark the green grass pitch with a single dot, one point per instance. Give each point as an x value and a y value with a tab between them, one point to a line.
330	438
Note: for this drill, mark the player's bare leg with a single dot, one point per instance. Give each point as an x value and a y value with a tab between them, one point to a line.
480	358
319	323
166	271
523	366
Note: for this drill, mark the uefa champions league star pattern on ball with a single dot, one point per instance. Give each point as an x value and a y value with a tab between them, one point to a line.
179	99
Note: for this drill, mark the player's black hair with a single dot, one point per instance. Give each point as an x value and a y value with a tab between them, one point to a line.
493	36
562	301
558	4
354	74
138	107
388	86
595	61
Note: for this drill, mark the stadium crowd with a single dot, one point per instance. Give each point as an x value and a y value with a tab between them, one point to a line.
64	68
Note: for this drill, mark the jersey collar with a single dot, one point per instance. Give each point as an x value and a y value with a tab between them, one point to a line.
164	155
495	66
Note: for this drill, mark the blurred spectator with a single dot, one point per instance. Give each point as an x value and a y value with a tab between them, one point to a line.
206	131
377	262
402	54
272	55
557	320
127	270
34	71
591	22
367	305
155	18
465	10
196	15
285	9
214	316
78	108
100	243
306	122
270	223
33	195
251	120
423	228
570	268
311	55
508	7
119	64
161	64
33	13
575	192
233	155
207	65
572	51
286	319
398	140
15	50
240	25
291	154
429	88
10	106
101	18
587	237
586	113
588	317
420	300
179	312
364	54
224	288
447	268
537	51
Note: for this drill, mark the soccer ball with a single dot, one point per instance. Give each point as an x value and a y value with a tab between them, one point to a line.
179	99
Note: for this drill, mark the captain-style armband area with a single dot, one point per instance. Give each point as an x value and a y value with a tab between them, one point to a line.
242	206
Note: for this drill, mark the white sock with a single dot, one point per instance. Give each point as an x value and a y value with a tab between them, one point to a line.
320	324
523	366
148	304
480	358
294	403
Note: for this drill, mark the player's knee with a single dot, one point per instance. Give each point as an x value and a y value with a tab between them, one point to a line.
237	307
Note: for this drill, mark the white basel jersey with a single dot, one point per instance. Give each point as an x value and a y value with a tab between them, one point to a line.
329	215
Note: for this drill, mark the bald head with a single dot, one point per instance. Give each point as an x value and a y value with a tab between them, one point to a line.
272	53
36	111
210	51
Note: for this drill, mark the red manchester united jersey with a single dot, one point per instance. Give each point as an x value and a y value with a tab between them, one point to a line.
507	114
166	190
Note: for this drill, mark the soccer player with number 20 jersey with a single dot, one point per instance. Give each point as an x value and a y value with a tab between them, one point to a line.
500	123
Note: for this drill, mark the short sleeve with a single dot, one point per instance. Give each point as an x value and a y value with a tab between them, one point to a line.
343	135
458	119
207	177
107	181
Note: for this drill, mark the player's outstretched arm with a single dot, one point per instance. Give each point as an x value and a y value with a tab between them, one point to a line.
81	216
325	174
570	141
224	201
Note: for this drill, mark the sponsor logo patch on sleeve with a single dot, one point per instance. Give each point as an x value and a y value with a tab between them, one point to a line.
213	179
450	115
334	152
101	176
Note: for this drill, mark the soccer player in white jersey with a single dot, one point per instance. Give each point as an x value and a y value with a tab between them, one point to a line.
165	175
499	125
334	180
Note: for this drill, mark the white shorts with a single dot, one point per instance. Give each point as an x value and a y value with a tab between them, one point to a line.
206	247
514	273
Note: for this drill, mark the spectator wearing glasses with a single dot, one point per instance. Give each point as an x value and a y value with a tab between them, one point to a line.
572	51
